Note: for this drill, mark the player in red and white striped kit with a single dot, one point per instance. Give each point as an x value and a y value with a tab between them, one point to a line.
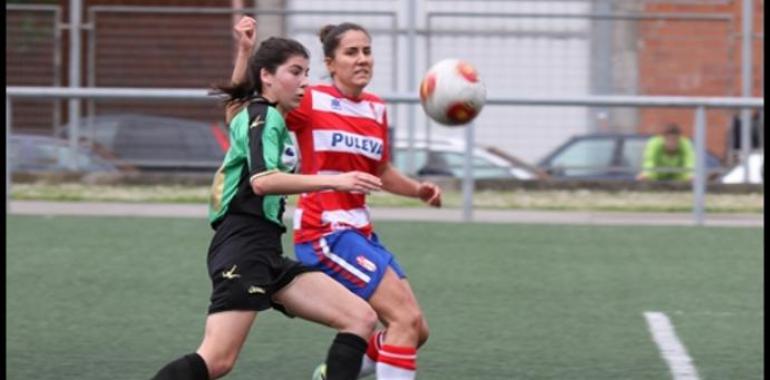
341	128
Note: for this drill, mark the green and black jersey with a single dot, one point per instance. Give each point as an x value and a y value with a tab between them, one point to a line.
259	145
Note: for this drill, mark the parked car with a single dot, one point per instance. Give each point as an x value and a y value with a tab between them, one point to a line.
604	156
155	143
756	170
447	157
36	153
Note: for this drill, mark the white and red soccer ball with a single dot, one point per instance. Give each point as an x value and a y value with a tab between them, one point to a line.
452	93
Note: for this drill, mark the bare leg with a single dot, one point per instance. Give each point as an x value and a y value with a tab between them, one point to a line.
318	298
223	339
398	309
424	331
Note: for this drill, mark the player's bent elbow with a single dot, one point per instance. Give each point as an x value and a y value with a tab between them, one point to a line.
264	183
258	187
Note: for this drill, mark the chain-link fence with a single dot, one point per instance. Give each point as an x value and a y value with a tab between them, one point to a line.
33	57
541	48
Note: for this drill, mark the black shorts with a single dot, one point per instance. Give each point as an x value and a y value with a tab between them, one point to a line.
246	265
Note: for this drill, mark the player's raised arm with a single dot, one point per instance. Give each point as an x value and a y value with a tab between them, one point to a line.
245	33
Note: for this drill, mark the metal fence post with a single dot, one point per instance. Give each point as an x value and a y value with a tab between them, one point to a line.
468	183
411	82
699	181
8	112
76	8
746	74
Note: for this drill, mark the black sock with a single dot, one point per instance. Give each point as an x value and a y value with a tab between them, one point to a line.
188	367
345	356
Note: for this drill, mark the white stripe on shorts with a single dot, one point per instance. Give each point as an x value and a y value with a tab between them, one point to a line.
341	262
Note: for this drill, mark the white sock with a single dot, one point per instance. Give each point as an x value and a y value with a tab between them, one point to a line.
389	372
369	362
368	366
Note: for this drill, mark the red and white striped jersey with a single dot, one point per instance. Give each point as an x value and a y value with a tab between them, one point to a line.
336	134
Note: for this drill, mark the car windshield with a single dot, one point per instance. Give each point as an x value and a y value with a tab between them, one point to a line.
481	167
454	163
51	156
633	152
585	157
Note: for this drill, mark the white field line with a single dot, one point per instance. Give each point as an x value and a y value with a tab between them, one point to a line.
709	313
671	349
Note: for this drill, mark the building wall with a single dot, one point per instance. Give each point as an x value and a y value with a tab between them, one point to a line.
129	50
696	59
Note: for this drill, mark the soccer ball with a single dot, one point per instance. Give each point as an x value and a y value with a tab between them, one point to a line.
451	92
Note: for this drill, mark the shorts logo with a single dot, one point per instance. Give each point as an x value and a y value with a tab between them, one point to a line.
256	289
366	264
230	275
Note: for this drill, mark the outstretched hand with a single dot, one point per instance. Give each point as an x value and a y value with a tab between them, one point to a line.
357	182
430	194
245	33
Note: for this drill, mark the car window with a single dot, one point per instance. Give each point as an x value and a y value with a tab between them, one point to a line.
400	156
481	167
46	156
633	153
454	162
585	157
15	150
41	157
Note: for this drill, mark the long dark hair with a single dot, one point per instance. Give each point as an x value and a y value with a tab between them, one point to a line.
271	53
331	35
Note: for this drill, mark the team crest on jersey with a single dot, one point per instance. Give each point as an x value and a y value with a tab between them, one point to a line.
366	263
336	105
289	158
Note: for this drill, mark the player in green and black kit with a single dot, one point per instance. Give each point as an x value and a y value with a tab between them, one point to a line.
245	261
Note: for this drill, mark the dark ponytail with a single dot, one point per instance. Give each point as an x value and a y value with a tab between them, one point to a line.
271	53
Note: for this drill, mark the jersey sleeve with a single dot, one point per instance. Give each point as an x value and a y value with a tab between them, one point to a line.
299	117
264	143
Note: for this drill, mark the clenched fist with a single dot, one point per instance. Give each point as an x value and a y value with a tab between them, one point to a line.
430	194
245	33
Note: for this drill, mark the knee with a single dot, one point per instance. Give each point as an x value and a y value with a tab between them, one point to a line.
410	319
361	321
424	334
367	320
220	365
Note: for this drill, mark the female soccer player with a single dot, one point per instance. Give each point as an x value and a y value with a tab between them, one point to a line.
247	268
340	128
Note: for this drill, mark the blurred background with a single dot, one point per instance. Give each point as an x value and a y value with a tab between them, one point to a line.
568	48
109	195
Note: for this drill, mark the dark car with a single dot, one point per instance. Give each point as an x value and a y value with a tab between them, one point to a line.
36	153
155	143
603	157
